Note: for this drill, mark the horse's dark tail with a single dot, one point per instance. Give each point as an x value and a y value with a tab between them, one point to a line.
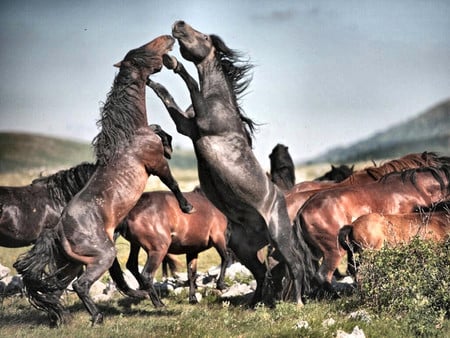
346	241
305	256
172	263
39	270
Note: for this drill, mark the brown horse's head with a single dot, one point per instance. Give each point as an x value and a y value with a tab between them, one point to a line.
148	56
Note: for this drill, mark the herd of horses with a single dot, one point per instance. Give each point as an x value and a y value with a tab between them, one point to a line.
291	236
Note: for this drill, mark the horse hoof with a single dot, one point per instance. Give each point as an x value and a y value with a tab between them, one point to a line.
188	209
193	300
97	319
170	61
138	294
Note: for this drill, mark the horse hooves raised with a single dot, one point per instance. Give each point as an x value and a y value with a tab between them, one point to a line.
97	319
188	209
169	61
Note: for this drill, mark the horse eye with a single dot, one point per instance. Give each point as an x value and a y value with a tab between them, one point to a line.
206	37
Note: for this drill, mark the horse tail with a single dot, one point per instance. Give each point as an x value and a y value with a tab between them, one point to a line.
306	256
347	242
173	264
39	270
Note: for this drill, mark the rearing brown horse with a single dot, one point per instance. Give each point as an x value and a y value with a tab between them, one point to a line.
229	172
127	152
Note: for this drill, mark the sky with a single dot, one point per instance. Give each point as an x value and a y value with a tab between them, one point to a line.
327	73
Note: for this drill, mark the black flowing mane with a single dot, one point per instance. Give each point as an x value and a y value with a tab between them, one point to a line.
236	71
436	171
65	184
119	116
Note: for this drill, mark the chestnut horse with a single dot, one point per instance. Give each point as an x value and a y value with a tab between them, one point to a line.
127	152
298	195
326	212
229	172
375	230
282	169
157	224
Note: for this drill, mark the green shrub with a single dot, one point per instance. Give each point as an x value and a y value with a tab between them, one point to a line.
411	281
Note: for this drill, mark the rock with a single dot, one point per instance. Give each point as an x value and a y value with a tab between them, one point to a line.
328	322
4	271
356	333
237	289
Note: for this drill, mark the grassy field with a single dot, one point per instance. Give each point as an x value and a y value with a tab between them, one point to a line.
213	317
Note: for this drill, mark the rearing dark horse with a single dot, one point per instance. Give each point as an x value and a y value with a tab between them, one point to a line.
127	152
229	173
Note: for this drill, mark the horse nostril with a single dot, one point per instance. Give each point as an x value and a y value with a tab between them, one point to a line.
181	23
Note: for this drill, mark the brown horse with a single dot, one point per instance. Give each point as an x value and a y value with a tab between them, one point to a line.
27	210
375	230
300	193
326	212
127	152
282	169
157	224
229	173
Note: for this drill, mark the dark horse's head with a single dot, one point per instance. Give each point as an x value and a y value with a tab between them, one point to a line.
337	174
122	114
282	169
197	47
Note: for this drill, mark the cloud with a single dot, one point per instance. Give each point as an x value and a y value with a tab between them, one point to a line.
276	15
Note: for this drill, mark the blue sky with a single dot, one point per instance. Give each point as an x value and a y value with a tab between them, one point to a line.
327	73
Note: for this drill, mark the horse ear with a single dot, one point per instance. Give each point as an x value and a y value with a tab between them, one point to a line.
118	64
332	167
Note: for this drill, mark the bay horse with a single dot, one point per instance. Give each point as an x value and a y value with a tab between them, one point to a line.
282	168
127	151
375	230
326	212
158	225
301	192
26	211
229	173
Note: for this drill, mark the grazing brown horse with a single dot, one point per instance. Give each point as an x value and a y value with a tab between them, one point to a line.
127	152
300	193
229	172
157	225
375	230
326	212
282	169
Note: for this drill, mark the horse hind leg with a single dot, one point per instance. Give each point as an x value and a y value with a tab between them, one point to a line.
101	258
191	263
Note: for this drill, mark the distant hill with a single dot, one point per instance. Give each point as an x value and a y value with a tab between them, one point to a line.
429	131
23	151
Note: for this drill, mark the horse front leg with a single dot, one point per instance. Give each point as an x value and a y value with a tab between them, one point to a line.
165	175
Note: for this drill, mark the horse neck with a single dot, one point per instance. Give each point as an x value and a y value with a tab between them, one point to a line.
214	82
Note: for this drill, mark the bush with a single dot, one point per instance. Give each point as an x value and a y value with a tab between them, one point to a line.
411	281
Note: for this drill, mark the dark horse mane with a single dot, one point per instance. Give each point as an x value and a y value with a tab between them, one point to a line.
119	121
436	171
236	71
406	162
64	184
